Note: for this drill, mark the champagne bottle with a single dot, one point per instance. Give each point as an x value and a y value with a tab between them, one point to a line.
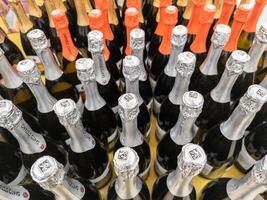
13	171
198	46
223	142
95	108
50	175
217	106
137	43
37	16
246	187
170	108
246	38
87	155
112	52
106	84
14	88
240	17
181	134
82	29
11	51
227	11
248	76
161	56
130	135
206	77
56	81
178	183
48	120
32	145
127	185
25	192
131	72
69	51
167	77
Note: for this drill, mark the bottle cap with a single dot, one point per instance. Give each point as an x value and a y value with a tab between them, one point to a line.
192	104
253	99
131	17
85	69
126	162
60	19
242	13
95	41
137	39
221	35
67	112
259	171
191	160
236	62
207	15
179	35
28	71
10	115
47	172
96	19
262	33
186	64
171	15
37	39
131	67
128	106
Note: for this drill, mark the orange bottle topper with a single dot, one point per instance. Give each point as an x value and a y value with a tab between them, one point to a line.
251	24
227	10
240	18
103	6
197	8
96	22
137	5
69	51
170	20
205	21
131	22
163	4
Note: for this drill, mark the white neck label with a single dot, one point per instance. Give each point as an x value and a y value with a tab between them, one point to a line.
13	192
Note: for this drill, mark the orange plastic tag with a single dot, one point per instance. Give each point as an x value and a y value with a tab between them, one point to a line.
251	24
193	23
205	21
96	22
137	5
131	22
160	27
227	10
170	20
69	51
240	18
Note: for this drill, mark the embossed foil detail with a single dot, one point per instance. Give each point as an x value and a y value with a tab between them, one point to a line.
236	62
192	104
137	39
179	35
128	107
259	171
85	69
186	64
221	35
10	115
262	33
95	41
37	39
29	72
131	68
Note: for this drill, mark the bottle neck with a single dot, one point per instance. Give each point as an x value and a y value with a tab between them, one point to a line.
29	141
82	18
209	66
50	6
9	75
102	73
34	10
234	128
222	92
219	7
184	130
227	10
130	135
245	188
193	24
180	87
69	189
188	10
52	70
112	16
45	101
170	67
255	53
128	188
165	45
178	184
128	31
133	87
139	53
93	100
